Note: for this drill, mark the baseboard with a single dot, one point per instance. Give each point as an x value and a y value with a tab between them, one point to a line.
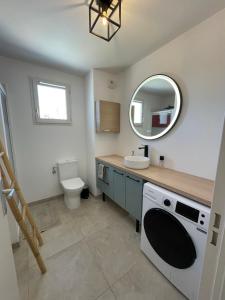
53	198
44	200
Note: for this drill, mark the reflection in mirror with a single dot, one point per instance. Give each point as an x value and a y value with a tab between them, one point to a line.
155	107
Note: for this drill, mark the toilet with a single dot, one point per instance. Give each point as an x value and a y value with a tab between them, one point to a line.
72	185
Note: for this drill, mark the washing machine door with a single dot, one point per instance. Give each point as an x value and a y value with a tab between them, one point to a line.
169	238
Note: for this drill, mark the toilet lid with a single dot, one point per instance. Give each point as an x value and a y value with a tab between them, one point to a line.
72	184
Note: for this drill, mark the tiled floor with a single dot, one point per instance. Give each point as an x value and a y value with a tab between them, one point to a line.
91	253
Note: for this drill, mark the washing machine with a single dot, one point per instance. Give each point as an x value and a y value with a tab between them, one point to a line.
173	237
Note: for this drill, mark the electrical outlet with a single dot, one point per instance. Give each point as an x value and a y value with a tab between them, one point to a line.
54	170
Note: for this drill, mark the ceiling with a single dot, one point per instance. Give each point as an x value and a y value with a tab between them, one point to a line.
56	32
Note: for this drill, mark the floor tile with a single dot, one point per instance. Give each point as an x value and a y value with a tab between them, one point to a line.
21	264
144	281
108	295
116	249
44	215
98	220
73	274
59	238
92	253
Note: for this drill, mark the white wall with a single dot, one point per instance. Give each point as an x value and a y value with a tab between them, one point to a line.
106	143
39	147
99	143
90	119
196	61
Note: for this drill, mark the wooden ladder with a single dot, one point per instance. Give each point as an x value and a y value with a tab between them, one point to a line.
23	216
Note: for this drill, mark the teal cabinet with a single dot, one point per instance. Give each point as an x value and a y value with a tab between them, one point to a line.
119	195
134	189
123	188
106	183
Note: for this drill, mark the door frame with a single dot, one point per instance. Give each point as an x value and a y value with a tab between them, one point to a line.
9	284
213	275
14	228
3	89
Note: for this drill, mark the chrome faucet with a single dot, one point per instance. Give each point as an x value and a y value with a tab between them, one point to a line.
132	153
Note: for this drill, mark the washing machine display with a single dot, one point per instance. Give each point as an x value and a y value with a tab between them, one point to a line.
187	211
169	238
174	235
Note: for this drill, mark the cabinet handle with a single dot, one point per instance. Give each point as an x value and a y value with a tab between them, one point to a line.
103	181
106	130
103	165
118	172
133	179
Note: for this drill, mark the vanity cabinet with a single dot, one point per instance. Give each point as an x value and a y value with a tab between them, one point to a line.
123	188
107	116
106	183
134	191
119	195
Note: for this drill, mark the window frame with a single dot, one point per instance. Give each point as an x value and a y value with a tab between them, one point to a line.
142	114
35	102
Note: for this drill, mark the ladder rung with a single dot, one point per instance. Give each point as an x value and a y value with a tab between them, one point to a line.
24	212
12	185
34	236
6	191
9	193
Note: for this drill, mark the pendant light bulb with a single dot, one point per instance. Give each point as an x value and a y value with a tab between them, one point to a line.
104	18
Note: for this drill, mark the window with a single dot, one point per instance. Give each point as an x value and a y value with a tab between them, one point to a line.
51	102
137	112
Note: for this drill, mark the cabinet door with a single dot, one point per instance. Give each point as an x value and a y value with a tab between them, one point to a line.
134	189
107	116
119	187
105	184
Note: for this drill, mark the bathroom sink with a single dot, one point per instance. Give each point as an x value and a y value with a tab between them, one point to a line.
136	162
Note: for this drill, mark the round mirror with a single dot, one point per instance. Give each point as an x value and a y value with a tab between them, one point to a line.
155	107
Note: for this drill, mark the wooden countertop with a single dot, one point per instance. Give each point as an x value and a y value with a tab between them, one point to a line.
193	187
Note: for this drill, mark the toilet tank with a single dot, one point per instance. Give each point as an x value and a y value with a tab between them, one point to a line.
67	169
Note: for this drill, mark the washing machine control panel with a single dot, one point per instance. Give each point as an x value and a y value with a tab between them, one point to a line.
187	211
190	210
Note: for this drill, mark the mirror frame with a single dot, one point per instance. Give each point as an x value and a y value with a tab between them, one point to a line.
176	115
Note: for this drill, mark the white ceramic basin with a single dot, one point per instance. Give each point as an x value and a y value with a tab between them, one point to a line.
136	162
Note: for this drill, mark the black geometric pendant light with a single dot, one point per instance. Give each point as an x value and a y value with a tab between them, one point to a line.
105	18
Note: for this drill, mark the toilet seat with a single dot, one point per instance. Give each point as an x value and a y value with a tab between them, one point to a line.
72	184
